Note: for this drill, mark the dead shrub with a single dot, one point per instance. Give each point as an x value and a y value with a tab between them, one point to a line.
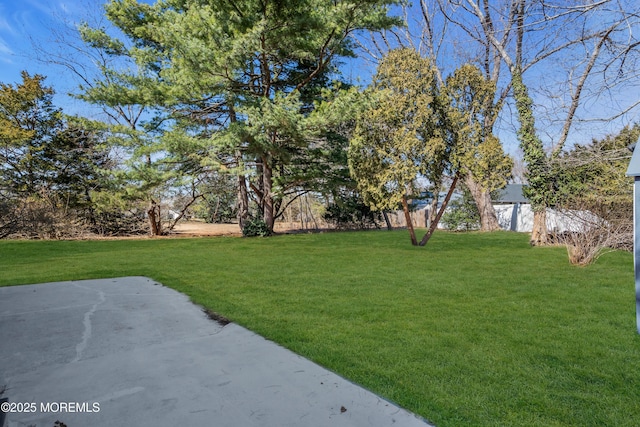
590	230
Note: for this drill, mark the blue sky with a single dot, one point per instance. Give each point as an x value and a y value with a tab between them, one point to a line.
25	24
28	23
22	22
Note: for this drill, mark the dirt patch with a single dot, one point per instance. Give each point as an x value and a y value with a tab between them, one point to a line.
220	319
195	228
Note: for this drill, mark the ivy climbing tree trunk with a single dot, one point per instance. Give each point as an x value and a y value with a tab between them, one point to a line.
537	190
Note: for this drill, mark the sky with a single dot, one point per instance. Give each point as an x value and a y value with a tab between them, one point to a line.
21	24
29	25
26	25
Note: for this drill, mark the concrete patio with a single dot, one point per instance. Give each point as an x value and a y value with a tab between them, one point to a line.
131	352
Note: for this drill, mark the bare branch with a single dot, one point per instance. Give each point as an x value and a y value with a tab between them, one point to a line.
575	97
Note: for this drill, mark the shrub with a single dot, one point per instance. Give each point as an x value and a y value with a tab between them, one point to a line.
462	214
351	213
255	227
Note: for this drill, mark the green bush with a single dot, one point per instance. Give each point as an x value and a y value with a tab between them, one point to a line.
255	227
462	214
350	212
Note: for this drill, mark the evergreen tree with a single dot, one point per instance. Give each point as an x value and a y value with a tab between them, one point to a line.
236	77
28	123
49	164
402	135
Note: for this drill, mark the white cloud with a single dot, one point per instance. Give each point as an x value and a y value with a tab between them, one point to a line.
6	53
5	26
42	6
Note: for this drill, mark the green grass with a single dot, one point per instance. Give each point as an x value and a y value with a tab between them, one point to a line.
474	329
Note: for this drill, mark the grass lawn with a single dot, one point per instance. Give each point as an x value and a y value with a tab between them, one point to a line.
474	329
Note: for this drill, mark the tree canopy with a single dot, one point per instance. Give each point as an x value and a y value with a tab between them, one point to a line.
239	77
417	128
49	163
399	136
201	94
593	175
479	156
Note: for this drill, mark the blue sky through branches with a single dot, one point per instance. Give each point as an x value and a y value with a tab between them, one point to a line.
31	29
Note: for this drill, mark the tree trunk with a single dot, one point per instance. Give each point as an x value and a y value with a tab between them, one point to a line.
433	210
434	223
482	199
538	189
407	217
91	213
258	187
243	195
155	222
267	195
302	226
243	201
385	215
539	234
